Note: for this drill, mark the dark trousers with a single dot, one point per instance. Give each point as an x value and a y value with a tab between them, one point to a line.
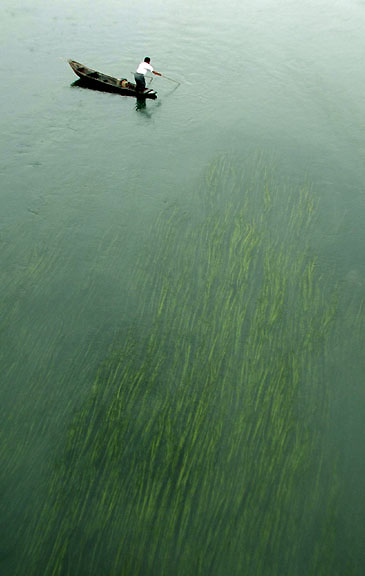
140	82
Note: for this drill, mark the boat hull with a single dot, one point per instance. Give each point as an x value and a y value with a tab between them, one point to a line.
93	79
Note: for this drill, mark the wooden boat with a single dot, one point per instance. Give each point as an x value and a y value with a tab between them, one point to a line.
95	79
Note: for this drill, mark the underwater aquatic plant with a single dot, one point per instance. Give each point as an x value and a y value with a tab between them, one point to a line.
201	448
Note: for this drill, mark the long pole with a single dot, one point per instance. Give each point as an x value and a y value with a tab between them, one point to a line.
171	79
163	76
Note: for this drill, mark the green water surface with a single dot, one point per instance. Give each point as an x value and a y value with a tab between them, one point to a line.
182	291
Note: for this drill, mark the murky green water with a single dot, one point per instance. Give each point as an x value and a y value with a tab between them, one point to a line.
182	291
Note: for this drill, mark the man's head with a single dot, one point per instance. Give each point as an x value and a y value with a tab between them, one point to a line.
148	60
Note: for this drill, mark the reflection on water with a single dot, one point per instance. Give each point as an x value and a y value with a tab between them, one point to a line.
141	106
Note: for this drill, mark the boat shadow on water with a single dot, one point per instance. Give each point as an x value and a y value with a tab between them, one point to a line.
141	105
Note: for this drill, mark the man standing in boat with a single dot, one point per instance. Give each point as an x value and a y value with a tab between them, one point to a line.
140	74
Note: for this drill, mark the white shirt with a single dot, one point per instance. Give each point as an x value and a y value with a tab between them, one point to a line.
144	67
